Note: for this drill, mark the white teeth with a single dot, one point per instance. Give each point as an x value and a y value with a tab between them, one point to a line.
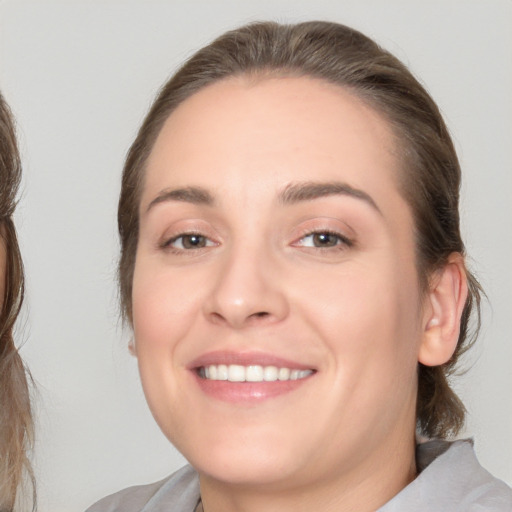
254	373
236	373
212	372
284	374
251	373
270	373
222	372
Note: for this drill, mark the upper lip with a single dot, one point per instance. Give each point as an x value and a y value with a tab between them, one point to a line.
246	359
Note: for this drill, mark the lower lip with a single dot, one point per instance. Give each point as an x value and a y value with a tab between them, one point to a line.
249	392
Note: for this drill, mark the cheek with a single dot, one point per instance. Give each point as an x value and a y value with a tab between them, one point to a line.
164	303
368	318
164	307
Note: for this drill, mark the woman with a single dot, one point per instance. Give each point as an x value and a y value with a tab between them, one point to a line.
15	415
293	271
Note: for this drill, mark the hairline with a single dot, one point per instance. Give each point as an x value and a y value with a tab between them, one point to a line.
400	146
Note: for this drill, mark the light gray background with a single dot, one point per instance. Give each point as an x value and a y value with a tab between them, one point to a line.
81	74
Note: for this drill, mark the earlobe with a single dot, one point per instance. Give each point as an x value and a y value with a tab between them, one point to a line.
131	347
443	310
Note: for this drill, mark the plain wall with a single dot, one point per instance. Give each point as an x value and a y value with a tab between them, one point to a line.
80	75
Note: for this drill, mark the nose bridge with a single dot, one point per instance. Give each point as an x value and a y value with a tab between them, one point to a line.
246	289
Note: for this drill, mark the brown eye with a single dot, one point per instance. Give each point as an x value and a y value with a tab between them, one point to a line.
189	242
325	239
193	241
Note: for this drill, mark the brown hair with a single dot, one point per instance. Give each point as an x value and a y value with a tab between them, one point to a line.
16	429
430	180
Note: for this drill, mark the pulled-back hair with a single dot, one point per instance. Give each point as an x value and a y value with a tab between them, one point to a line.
429	180
16	429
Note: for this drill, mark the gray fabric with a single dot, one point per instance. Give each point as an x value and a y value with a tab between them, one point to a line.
179	492
451	480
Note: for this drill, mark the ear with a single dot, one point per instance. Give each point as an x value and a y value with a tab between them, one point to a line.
442	312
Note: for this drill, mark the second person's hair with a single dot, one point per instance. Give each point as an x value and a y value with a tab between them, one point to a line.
16	428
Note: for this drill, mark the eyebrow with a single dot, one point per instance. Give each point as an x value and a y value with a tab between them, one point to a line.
292	194
194	195
308	191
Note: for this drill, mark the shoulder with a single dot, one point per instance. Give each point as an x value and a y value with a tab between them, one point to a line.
180	490
479	490
452	479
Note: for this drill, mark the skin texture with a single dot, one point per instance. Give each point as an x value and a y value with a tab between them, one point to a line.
353	311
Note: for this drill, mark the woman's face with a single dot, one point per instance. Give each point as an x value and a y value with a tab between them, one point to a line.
274	244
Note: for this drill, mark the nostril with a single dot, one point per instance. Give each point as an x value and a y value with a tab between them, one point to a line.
261	314
217	317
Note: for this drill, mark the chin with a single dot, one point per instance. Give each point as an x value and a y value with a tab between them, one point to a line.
247	469
246	457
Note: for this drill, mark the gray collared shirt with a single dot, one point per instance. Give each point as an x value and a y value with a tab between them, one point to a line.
450	480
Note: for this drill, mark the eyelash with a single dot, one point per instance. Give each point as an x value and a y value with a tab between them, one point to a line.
168	244
342	242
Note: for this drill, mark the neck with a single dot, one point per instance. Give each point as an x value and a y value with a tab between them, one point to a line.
363	488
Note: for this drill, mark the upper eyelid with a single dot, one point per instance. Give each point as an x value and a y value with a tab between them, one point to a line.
167	240
315	221
346	233
306	227
184	227
344	238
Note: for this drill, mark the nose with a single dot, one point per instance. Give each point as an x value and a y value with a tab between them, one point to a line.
247	290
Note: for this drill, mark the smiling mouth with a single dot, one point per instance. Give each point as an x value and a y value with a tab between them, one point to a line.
251	373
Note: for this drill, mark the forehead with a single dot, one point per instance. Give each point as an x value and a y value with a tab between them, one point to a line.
293	128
